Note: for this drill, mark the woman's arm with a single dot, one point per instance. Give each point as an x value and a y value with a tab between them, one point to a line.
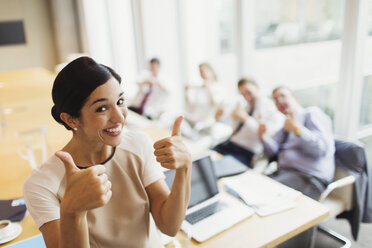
74	232
85	189
168	209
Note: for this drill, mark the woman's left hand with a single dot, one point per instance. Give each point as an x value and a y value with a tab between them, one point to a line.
171	152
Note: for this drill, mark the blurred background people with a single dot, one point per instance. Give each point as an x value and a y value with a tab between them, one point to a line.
152	92
304	146
244	141
202	102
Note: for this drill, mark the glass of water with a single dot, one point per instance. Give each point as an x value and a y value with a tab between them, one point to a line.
183	240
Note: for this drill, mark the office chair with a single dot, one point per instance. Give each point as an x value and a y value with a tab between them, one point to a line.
34	143
338	196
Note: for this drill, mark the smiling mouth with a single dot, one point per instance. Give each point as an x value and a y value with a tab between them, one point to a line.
113	131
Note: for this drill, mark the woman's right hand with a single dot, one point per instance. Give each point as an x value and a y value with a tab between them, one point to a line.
219	112
85	189
261	128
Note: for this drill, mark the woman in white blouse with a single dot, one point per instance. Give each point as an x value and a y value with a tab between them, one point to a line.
203	100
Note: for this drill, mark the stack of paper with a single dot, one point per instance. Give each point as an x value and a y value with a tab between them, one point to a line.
264	195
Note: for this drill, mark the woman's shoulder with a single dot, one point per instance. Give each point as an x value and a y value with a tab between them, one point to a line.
49	175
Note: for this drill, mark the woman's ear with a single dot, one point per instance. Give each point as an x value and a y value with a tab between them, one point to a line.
69	120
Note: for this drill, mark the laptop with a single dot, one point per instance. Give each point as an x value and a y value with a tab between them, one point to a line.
208	212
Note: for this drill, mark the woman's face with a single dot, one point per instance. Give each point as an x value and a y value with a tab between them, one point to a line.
205	73
103	115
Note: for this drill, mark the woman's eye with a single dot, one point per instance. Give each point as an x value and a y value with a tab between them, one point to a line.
121	101
101	109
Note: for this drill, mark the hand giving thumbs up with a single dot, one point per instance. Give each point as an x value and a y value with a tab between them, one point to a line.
85	189
170	152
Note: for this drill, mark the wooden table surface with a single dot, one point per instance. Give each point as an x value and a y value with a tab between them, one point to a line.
25	97
268	231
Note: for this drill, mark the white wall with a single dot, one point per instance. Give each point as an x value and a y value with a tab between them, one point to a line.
39	49
108	32
368	58
202	44
66	28
200	35
160	33
96	26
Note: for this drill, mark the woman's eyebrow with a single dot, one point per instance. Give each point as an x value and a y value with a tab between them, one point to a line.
105	99
99	100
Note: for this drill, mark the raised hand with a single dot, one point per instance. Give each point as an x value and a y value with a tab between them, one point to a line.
239	114
85	189
219	112
171	152
261	128
291	124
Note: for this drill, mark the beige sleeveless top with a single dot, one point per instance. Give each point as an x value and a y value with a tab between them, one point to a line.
125	220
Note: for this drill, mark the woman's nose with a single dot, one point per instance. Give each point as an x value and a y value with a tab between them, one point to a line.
119	114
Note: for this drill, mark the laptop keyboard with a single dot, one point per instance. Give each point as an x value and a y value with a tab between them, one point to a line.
205	212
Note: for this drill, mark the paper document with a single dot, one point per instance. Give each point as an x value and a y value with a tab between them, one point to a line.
33	242
264	195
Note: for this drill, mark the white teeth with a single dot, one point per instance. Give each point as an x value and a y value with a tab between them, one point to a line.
113	130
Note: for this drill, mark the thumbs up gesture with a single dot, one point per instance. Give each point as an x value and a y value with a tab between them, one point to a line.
291	124
171	152
85	189
261	128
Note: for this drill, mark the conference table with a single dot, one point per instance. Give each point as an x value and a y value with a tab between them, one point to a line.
25	98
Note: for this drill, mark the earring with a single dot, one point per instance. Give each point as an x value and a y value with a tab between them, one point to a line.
75	128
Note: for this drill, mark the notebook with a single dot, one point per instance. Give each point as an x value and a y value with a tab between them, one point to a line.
33	242
229	166
264	195
14	209
208	212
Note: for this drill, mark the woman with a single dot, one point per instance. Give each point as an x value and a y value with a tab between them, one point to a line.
100	189
203	100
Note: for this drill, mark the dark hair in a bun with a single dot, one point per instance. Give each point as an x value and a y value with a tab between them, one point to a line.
74	83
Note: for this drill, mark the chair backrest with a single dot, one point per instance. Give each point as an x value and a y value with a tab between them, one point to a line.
349	157
344	193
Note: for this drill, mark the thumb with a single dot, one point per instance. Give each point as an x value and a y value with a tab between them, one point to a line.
68	162
261	119
291	115
176	130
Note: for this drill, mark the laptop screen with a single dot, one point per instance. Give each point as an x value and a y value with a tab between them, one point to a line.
203	181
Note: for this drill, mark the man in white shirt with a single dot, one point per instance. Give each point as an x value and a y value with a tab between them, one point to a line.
244	142
152	92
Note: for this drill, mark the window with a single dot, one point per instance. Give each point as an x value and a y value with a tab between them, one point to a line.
366	107
288	22
227	25
323	96
370	18
368	146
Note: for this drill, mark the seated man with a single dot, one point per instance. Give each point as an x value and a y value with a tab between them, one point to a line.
244	142
304	146
152	92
